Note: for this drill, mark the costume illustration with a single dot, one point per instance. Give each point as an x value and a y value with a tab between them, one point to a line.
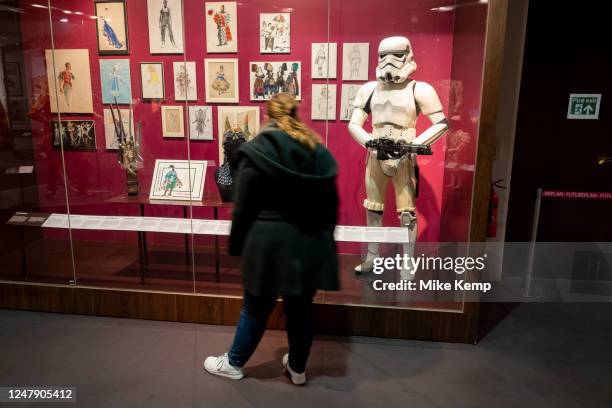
170	182
258	84
222	20
183	81
394	100
110	35
201	122
269	33
153	79
65	82
321	60
165	24
115	81
220	84
292	84
355	60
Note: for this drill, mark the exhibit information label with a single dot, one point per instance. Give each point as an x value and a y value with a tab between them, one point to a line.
583	106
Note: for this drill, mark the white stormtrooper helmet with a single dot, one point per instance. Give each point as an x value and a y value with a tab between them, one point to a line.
395	60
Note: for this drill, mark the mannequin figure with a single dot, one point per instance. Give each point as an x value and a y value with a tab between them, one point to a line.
394	100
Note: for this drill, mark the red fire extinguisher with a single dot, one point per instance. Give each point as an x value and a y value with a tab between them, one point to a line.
493	205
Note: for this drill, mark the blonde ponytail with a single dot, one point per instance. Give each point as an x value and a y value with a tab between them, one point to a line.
282	108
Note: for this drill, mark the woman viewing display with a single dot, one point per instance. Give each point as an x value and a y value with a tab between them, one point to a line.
283	224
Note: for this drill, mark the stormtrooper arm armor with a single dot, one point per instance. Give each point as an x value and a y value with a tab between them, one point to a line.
360	113
429	103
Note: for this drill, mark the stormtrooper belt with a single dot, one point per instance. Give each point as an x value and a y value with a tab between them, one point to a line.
393	131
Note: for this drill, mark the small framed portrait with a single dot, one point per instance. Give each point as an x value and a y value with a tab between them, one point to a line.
73	135
221	79
275	33
112	27
323	105
69	74
200	122
165	19
221	27
152	80
178	180
116	81
173	123
185	82
110	136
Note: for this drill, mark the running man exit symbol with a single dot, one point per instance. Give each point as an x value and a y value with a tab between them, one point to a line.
583	106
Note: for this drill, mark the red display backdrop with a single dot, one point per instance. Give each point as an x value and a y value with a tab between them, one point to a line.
448	46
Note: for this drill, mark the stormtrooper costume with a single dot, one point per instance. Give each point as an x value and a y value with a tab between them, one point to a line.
394	100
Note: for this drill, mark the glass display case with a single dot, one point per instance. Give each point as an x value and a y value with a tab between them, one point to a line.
179	74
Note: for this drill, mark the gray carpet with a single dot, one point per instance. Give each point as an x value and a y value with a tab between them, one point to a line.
542	355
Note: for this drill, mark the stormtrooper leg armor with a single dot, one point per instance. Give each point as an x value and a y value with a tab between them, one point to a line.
374	219
408	219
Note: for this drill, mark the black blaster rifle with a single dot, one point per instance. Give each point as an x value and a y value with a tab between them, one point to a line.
388	149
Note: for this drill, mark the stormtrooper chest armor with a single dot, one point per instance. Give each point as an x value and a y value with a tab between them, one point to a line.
394	110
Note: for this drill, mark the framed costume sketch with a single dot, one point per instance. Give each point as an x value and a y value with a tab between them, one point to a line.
73	134
69	80
127	118
178	180
355	57
116	81
221	79
185	82
173	122
221	27
324	57
275	33
112	27
349	92
200	122
269	78
243	119
323	105
152	80
165	26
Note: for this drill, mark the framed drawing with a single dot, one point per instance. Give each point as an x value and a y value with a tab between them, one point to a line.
185	83
152	80
69	80
349	92
324	57
323	105
178	180
221	80
239	118
112	27
200	122
221	27
127	117
74	134
275	33
172	121
270	78
355	57
12	79
116	81
165	26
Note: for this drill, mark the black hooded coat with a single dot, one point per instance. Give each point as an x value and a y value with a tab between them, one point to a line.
284	216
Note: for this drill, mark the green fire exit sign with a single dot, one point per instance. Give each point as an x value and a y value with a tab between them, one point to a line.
583	106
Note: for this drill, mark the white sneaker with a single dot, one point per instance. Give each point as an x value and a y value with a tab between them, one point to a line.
220	366
296	378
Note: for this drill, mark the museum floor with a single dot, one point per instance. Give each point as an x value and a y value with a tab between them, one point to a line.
542	355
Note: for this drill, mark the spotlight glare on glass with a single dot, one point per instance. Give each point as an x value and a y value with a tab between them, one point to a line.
39	6
64	20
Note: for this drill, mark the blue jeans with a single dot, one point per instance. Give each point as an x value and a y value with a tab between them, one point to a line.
252	324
